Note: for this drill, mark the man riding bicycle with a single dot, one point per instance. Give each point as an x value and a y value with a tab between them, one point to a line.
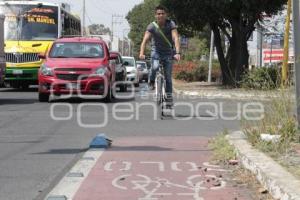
164	35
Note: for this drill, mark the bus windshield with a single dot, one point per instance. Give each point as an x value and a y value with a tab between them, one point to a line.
30	22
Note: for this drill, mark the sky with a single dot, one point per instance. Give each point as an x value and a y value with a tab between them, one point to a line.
101	11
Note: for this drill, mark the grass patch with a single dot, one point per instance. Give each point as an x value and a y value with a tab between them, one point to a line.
280	120
222	150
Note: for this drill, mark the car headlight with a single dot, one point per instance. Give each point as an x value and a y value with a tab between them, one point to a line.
101	71
46	71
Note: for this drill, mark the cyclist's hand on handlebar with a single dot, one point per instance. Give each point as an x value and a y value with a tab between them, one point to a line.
142	57
177	57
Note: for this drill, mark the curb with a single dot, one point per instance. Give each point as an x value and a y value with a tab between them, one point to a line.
224	95
70	183
280	183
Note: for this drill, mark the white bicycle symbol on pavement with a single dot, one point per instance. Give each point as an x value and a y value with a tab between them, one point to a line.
194	184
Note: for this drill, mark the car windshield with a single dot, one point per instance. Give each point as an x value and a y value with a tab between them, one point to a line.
30	22
76	50
141	64
130	61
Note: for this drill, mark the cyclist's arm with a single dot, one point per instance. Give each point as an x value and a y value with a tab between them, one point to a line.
147	37
175	37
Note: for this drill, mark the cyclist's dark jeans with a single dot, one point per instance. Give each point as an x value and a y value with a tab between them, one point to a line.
168	66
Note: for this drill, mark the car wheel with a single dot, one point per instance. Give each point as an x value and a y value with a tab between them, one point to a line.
43	97
137	84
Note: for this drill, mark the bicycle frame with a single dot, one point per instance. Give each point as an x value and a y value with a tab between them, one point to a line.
160	92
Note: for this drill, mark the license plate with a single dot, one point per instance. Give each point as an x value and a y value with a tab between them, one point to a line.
17	71
73	86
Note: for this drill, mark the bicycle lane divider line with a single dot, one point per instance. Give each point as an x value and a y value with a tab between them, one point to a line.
70	183
150	168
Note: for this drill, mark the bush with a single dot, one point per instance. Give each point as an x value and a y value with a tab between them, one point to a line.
261	78
195	71
200	74
183	75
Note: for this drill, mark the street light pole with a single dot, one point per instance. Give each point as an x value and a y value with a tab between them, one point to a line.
123	46
284	71
211	55
296	24
83	19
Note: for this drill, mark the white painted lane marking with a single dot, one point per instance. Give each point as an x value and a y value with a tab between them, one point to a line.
118	179
193	165
68	186
107	166
174	166
127	166
160	164
153	188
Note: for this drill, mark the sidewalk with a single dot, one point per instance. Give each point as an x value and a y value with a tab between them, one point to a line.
215	90
170	168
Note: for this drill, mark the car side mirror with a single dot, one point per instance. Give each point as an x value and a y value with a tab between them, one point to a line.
42	56
125	63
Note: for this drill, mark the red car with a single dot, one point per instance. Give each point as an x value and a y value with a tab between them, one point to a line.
79	65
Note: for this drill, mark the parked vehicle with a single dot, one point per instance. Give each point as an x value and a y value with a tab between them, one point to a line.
143	69
30	28
121	73
2	55
76	65
131	68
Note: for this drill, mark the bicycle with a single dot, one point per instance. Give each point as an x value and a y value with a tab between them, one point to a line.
160	90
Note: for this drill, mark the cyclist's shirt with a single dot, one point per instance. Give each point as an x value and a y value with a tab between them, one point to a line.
158	43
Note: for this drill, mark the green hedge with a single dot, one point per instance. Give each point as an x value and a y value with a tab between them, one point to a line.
265	78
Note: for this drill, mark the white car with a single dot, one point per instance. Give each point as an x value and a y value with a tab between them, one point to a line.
132	71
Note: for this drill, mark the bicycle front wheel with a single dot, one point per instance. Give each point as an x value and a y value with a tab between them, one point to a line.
159	90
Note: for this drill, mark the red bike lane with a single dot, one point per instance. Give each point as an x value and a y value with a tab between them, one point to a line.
170	168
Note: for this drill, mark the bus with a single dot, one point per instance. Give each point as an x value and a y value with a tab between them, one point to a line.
30	27
2	55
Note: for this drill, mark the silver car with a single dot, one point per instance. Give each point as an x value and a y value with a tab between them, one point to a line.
131	68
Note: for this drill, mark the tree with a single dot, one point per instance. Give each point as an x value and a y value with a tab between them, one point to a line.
196	49
138	18
235	19
99	29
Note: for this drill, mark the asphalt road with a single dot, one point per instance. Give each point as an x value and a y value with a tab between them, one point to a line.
36	150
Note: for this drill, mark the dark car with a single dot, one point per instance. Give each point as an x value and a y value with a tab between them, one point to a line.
121	73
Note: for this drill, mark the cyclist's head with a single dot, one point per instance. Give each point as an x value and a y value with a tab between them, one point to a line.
161	13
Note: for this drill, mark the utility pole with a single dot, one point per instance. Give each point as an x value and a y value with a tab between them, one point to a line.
115	19
259	45
129	43
271	52
296	27
284	79
123	46
83	19
211	55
